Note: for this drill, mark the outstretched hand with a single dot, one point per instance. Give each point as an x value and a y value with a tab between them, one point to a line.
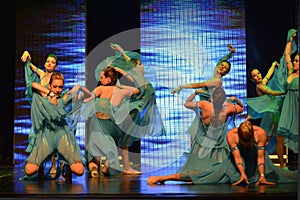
116	47
293	36
231	48
25	56
176	90
275	63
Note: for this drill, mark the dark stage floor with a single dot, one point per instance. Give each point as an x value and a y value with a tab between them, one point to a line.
131	187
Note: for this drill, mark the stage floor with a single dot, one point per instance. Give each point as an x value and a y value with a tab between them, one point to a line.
131	187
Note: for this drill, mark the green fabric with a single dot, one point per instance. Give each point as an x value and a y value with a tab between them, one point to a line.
289	120
52	132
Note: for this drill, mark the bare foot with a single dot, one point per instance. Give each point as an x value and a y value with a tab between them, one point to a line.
131	171
154	180
105	170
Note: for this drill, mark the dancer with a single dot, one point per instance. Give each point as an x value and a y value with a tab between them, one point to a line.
289	118
105	134
144	117
267	106
221	69
35	74
145	113
208	147
247	163
54	134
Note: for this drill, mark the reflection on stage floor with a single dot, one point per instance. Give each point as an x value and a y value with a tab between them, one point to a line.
131	187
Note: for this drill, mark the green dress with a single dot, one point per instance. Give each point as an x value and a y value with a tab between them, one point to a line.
52	132
105	136
289	119
144	117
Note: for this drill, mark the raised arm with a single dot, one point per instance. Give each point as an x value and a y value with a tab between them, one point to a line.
118	48
189	103
270	72
287	54
229	55
125	74
26	56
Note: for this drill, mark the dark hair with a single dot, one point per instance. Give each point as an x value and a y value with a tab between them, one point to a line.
218	97
246	134
250	70
56	76
53	56
112	74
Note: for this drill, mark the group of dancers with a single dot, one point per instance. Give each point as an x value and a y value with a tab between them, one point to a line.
122	109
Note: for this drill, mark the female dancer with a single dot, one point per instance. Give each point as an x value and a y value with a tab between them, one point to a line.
105	134
209	147
289	118
54	134
266	106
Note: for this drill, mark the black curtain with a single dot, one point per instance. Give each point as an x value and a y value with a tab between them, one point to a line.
267	25
7	85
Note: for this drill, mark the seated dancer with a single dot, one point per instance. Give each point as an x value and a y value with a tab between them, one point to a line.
208	146
109	109
248	162
54	134
221	69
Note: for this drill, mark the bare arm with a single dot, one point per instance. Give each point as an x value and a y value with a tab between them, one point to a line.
125	74
133	89
42	90
261	142
261	139
189	103
232	141
234	108
229	55
77	88
26	56
287	54
267	90
118	48
270	72
211	83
